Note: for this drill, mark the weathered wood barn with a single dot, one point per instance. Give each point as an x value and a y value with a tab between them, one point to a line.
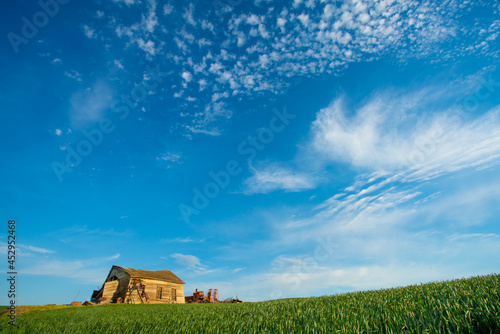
126	285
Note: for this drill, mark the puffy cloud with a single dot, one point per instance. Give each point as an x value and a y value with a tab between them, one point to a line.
73	75
89	32
308	38
187	76
167	9
188	15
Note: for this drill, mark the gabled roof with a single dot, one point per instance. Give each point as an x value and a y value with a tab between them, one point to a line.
162	275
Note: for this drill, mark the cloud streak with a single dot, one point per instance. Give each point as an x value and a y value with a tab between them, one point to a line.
191	262
272	178
413	141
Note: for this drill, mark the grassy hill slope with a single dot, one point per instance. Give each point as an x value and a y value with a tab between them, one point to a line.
460	306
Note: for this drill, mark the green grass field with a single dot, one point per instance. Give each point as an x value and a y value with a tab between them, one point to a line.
461	306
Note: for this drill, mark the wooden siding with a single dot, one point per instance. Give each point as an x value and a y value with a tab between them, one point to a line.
109	290
151	290
122	280
119	284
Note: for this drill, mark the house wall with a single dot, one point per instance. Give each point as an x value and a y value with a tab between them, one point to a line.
120	274
118	287
109	290
151	290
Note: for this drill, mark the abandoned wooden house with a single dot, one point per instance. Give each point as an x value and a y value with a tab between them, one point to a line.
132	286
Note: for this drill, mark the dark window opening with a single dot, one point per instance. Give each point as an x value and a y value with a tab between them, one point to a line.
158	292
174	295
112	278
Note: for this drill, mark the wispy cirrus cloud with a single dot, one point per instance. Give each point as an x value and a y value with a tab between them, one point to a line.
395	195
36	249
352	241
76	233
423	187
88	105
90	271
169	158
183	240
272	177
398	142
406	135
191	262
24	250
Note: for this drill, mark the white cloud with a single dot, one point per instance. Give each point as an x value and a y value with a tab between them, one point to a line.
264	60
207	25
304	19
281	22
148	46
178	240
272	178
253	19
169	158
187	76
90	271
407	220
188	15
399	240
364	17
35	249
167	9
190	261
304	283
113	257
202	129
90	104
127	2
118	64
89	32
58	132
394	131
183	240
297	3
73	75
123	31
202	83
141	33
336	36
150	21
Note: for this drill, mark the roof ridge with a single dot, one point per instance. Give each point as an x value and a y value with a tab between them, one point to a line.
164	275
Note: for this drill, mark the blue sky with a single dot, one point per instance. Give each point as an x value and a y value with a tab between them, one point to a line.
265	148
